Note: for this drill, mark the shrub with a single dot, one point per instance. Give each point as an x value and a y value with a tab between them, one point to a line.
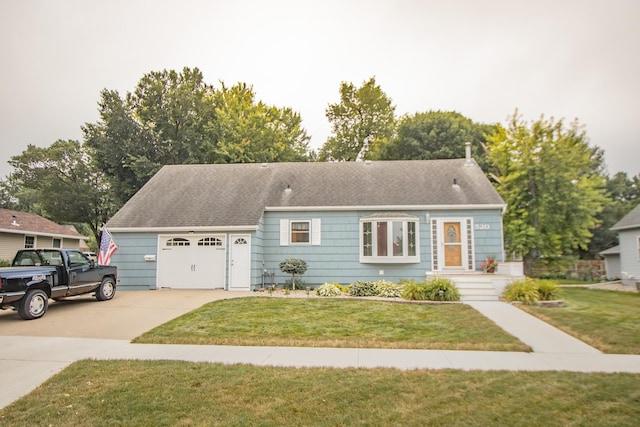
387	289
362	288
293	266
413	291
328	290
441	289
5	263
524	291
547	290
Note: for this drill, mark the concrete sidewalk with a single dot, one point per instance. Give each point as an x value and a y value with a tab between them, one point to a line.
28	361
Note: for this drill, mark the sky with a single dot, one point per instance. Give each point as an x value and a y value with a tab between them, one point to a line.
567	59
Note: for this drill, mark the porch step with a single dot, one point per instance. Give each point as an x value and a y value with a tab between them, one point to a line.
474	287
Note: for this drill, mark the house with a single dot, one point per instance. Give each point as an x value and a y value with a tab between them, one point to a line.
20	230
612	262
628	229
230	225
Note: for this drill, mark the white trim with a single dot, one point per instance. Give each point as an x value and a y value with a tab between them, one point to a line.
316	231
381	207
464	243
183	229
284	232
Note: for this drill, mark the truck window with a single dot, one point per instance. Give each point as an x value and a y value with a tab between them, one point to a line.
27	258
76	259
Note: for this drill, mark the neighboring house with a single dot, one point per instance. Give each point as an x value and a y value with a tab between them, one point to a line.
230	225
612	263
20	230
628	229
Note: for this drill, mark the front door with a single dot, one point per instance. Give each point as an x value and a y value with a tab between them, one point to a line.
452	244
240	262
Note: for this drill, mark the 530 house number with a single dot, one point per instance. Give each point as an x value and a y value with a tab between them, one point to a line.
482	226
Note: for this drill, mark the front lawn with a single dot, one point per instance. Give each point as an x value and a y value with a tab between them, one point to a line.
607	320
169	393
326	322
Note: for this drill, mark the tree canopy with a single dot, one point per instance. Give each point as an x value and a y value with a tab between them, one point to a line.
177	118
363	118
435	135
548	175
65	183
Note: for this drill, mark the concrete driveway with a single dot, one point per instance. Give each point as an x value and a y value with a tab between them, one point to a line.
126	316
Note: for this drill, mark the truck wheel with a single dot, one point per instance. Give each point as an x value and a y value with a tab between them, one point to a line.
33	305
106	290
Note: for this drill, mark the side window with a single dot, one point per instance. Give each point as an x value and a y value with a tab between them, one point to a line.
57	243
29	242
76	259
298	231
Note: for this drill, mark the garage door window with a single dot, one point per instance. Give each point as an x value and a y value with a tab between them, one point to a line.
178	241
210	241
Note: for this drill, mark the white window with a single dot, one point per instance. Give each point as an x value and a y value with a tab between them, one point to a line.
300	232
389	241
29	242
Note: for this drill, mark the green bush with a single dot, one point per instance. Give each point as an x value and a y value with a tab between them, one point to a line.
524	291
328	290
387	289
293	266
5	263
362	288
547	290
413	291
441	289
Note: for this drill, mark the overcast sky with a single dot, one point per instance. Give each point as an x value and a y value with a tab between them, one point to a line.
562	58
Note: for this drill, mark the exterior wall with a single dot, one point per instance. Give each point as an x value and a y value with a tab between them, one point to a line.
337	258
10	243
133	271
629	256
612	266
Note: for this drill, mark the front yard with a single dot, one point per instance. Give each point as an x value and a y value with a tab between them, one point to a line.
329	322
607	320
163	393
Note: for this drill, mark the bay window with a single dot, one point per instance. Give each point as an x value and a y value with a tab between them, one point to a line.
389	240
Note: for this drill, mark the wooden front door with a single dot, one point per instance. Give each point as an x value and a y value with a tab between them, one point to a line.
452	244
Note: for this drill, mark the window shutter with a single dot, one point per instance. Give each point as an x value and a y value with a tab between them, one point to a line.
315	231
284	232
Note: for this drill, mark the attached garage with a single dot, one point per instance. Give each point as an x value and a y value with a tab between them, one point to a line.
192	262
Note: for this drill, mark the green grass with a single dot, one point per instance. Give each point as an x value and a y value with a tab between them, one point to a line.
319	322
168	393
607	320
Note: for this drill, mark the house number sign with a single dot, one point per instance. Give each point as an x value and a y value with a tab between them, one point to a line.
482	226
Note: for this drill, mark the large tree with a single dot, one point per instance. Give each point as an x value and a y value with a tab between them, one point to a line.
435	135
250	132
177	118
166	120
68	187
362	119
548	175
624	193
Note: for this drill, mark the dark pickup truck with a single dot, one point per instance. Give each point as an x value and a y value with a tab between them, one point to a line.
40	274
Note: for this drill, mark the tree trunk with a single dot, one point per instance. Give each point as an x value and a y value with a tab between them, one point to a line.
527	264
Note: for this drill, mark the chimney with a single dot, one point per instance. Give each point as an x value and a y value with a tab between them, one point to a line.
467	152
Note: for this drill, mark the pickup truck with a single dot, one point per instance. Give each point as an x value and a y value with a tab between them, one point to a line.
39	274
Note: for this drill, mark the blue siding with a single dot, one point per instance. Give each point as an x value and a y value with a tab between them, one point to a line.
629	256
133	271
336	259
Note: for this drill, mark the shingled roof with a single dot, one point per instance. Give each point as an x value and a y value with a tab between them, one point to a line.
29	223
630	220
238	194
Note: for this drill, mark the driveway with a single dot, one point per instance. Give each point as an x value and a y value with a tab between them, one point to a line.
128	315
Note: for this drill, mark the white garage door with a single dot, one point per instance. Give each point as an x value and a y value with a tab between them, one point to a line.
192	261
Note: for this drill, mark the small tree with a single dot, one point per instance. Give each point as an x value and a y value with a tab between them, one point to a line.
293	266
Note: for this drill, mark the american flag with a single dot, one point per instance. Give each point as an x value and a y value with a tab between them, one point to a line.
107	248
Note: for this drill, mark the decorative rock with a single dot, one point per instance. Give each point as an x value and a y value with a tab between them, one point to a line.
553	303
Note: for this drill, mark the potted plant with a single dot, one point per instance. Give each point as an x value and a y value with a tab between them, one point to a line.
489	265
